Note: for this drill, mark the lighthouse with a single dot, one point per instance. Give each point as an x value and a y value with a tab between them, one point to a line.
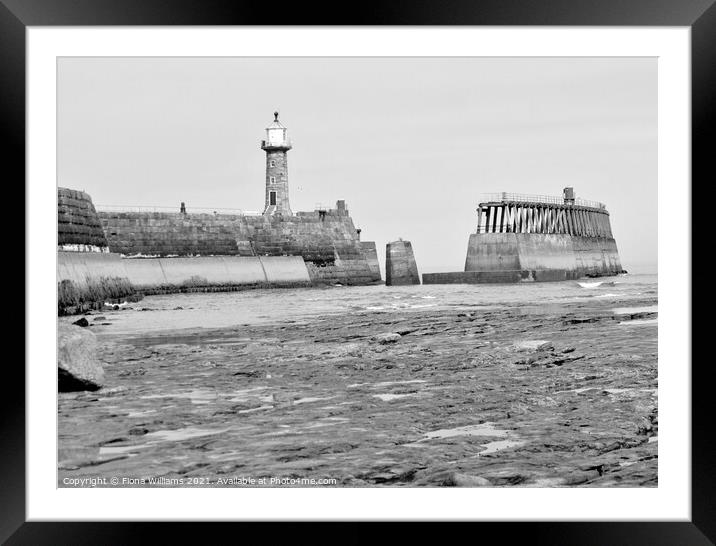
276	146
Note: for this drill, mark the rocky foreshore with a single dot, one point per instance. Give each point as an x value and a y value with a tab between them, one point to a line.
522	395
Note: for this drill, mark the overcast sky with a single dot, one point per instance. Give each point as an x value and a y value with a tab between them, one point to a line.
411	144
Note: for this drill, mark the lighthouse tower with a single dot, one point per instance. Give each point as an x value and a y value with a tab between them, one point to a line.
276	145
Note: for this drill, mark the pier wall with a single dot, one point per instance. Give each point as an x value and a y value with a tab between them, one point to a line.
533	256
513	257
596	256
150	274
160	234
326	240
83	267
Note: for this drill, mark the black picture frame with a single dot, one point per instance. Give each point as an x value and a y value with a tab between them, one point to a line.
17	15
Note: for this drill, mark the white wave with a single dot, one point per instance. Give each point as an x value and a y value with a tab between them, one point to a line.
634	310
639	322
597	284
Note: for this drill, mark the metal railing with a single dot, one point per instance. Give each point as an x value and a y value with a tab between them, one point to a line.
285	143
189	210
503	197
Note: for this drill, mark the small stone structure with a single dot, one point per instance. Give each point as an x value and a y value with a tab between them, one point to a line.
400	266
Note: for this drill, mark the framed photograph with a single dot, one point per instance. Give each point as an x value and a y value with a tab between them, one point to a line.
432	265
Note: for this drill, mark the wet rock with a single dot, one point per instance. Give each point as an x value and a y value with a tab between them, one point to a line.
282	399
457	479
387	338
114	391
581	476
83	322
533	345
319	415
127	373
547	482
138	431
77	366
249	373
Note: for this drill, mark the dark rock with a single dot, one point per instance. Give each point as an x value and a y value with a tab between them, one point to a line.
83	322
457	479
128	373
249	373
581	320
100	317
77	366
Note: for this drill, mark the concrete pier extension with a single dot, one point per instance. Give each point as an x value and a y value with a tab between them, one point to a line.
537	238
400	266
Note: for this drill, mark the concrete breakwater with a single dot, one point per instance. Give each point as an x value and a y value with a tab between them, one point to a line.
539	240
165	275
514	257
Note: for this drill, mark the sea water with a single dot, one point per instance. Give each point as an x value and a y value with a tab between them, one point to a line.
219	310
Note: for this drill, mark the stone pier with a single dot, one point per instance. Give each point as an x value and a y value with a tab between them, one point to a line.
400	266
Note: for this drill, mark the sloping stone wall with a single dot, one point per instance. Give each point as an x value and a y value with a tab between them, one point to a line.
371	254
78	224
89	270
